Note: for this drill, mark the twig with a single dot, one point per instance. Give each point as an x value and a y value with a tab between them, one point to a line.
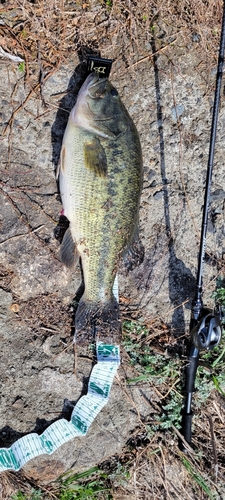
12	58
52	330
10	122
181	157
221	417
41	75
125	391
160	475
213	445
67	347
165	475
30	229
13	238
150	56
187	446
32	91
171	388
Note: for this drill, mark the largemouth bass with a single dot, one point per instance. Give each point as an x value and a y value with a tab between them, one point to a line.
100	185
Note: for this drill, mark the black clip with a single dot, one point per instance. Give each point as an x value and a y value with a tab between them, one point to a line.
100	66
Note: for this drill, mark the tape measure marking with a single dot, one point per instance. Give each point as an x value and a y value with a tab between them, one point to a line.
84	413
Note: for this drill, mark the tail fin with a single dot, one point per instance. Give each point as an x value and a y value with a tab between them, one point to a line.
97	322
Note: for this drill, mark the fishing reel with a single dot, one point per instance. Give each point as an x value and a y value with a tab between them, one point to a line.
207	333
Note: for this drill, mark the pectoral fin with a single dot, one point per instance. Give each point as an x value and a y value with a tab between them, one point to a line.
68	251
95	157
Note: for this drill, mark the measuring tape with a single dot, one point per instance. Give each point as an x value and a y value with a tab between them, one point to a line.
84	412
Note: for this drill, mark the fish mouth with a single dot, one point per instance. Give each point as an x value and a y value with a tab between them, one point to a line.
92	81
92	88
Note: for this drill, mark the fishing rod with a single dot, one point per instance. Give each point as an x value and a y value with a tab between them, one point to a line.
205	326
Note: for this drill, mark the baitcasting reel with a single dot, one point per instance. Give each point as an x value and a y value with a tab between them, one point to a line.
207	334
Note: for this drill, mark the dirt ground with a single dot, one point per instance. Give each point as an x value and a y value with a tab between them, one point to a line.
165	59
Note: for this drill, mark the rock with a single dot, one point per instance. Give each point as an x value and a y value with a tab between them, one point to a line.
217	195
110	430
177	111
158	195
37	302
5	306
196	37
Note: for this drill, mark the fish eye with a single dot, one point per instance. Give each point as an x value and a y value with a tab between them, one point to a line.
114	92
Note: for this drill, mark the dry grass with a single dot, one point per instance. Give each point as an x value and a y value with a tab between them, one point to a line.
159	470
46	33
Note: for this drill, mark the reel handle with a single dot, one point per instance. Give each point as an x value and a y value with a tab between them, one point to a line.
207	333
190	374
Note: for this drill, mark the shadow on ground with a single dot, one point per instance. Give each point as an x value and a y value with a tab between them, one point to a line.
181	280
8	435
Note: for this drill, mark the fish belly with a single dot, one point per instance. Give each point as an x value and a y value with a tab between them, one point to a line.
102	210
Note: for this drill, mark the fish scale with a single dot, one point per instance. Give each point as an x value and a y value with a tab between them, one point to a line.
100	185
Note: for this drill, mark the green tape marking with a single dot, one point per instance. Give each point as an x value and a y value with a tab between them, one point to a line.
84	413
